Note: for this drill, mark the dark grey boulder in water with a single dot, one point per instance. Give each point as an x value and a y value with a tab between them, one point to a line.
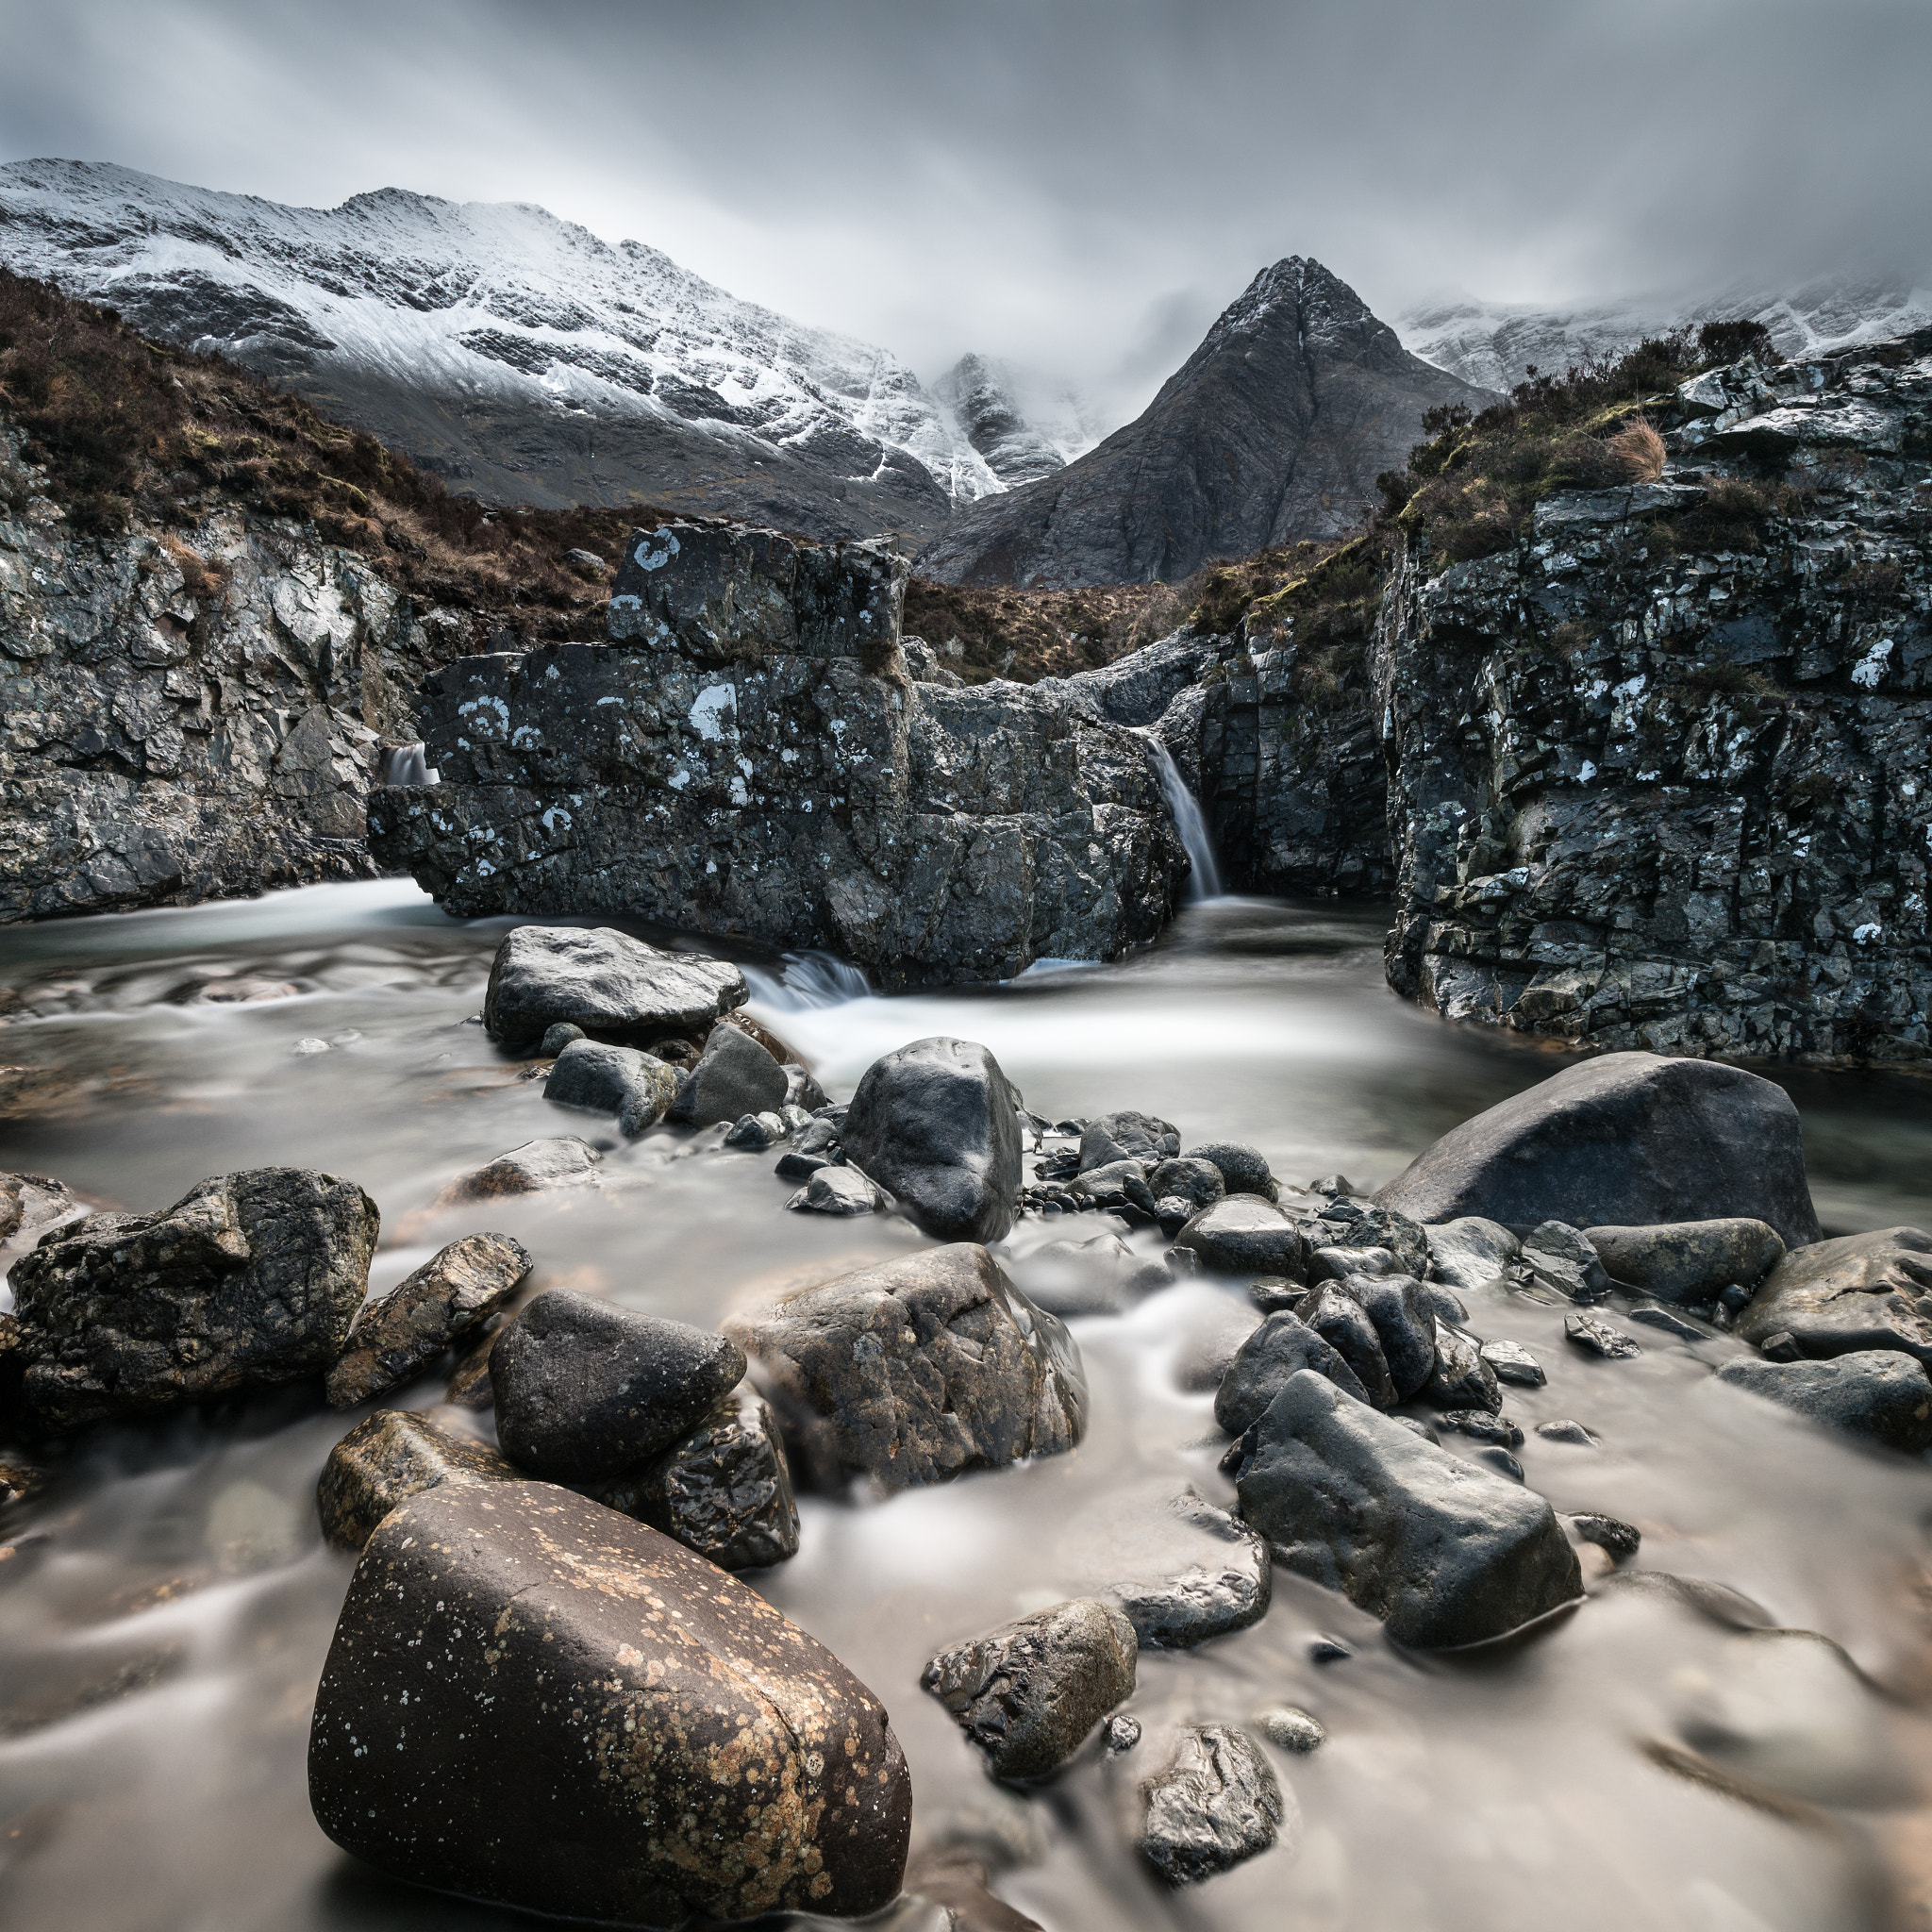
1199	1183
621	1080
1463	1377
248	1280
1628	1138
734	1077
586	1390
1244	1168
1840	1297
936	1126
1399	1307
724	1490
1343	1323
1282	1346
387	1459
559	1160
1876	1392
1215	1801
604	981
1244	1235
1443	1552
1688	1260
916	1370
611	1724
1029	1692
455	1290
1218	1578
838	1190
1128	1136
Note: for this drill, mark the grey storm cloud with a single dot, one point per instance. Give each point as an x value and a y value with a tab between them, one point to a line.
1080	185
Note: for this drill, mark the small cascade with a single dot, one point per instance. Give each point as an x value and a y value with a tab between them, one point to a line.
809	979
407	764
1204	881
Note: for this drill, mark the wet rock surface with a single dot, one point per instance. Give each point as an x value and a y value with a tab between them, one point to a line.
734	1075
395	1339
1246	1235
621	1080
1443	1553
668	1742
1281	1347
1840	1297
838	1190
1029	1694
935	1124
1214	1803
613	987
250	1279
1222	1581
1470	1251
916	1370
387	1459
799	789
724	1490
1878	1394
563	1161
1629	1138
587	1390
1403	1318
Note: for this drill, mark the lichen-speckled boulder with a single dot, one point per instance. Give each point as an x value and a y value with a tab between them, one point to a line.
723	1491
455	1290
613	986
1029	1692
1839	1297
387	1459
1445	1552
248	1280
935	1124
1627	1138
916	1370
586	1390
613	1729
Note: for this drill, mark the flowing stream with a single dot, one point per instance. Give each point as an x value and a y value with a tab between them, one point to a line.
1204	880
166	1603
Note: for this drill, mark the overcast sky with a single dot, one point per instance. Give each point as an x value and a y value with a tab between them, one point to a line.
1083	185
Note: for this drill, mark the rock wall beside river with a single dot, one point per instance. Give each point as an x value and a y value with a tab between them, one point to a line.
190	714
748	756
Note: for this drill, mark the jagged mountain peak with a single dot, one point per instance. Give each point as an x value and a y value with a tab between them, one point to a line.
1024	423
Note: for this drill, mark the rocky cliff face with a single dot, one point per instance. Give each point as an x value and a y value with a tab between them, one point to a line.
517	355
1025	425
1660	777
1274	428
190	714
748	756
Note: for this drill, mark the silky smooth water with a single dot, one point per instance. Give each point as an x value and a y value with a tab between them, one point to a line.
165	1607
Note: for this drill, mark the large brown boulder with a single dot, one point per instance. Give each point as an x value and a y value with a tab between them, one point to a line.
916	1370
534	1701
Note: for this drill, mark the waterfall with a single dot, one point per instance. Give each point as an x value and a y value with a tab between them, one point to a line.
809	979
407	764
1204	882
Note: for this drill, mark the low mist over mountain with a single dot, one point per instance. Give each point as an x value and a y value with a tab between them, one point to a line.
1023	423
514	353
1497	344
1274	428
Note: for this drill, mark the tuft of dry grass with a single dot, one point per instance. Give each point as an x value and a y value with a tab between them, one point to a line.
1637	451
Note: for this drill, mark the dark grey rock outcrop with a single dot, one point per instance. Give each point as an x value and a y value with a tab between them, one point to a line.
1443	1552
635	1086
916	1370
613	987
1842	1297
387	1459
1029	1692
1878	1394
1274	428
1630	1138
587	1390
248	1280
936	1124
455	1290
724	1490
734	1075
746	756
1214	1803
666	1743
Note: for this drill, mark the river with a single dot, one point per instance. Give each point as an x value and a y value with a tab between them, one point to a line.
166	1605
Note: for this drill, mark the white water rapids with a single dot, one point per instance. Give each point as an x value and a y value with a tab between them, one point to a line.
166	1605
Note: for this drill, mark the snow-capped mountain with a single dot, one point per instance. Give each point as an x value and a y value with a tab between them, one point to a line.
1025	425
517	353
1495	344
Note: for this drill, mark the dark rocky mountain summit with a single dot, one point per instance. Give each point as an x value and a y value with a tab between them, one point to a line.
1274	428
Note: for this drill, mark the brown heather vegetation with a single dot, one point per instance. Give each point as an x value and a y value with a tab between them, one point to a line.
127	427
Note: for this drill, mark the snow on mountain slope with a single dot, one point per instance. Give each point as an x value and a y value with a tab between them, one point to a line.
1495	343
526	335
1024	423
